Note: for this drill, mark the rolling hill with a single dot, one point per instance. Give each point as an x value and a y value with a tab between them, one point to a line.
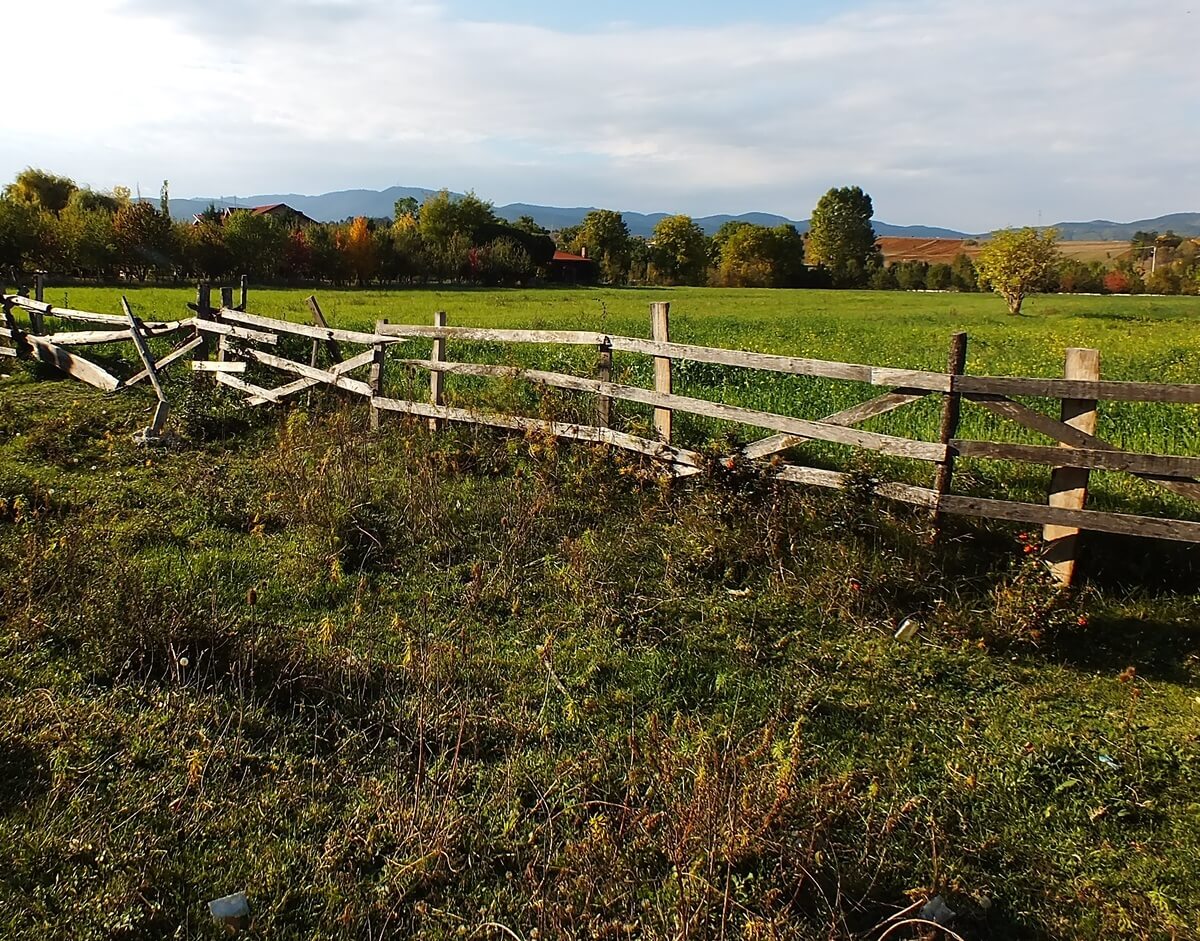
344	204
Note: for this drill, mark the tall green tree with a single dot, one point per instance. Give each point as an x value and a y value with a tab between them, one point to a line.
605	235
143	238
1018	262
255	243
679	250
841	237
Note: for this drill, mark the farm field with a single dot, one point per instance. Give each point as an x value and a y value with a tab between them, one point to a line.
901	248
472	685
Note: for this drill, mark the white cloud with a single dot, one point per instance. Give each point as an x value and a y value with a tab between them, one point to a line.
960	112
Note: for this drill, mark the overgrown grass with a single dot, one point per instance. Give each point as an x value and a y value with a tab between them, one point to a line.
409	685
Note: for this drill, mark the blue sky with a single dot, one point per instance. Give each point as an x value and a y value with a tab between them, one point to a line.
971	114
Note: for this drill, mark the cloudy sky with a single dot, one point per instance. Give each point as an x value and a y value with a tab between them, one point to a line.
971	114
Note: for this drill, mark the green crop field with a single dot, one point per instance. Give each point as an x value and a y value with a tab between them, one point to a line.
472	685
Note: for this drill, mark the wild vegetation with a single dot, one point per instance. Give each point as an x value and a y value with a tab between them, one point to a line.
468	685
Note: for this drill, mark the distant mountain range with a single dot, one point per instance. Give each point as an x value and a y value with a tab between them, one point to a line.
335	207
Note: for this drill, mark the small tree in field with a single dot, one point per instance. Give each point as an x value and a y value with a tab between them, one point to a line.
1017	262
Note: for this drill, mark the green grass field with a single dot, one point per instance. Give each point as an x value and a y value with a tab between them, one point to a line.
467	685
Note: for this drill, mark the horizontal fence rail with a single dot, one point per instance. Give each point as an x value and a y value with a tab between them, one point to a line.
1076	450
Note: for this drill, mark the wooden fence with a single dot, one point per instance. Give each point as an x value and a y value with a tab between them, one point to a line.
222	340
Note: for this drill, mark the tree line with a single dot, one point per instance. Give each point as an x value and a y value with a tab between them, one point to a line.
48	222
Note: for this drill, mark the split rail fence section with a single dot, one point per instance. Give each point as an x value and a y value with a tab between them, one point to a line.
238	337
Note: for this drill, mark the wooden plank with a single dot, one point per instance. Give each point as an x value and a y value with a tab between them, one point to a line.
1066	434
880	405
797	427
97	337
300	385
819	477
213	365
240	385
166	360
660	321
75	366
163	409
242	333
1108	389
951	412
302	329
310	372
1158	465
37	319
1069	485
656	449
490	335
82	316
1091	520
244	292
204	316
436	378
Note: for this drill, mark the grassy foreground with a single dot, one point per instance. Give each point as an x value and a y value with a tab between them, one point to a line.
472	686
467	685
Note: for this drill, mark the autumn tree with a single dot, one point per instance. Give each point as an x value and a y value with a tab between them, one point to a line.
745	259
41	190
143	238
679	250
1017	262
841	237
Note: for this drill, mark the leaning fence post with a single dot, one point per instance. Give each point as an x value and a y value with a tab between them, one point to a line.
956	362
378	360
37	319
660	321
604	374
163	407
436	377
1069	485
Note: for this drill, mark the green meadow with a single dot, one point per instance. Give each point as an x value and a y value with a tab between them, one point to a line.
472	685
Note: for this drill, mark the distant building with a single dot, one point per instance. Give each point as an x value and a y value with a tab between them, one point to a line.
566	268
280	212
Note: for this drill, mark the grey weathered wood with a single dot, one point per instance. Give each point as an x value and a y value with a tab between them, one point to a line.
490	335
204	316
660	322
604	365
175	354
37	318
241	333
212	365
76	366
82	316
1158	465
436	379
657	449
1069	485
1066	434
880	405
310	372
163	408
819	477
318	319
241	385
1107	389
226	304
951	412
1090	520
375	379
244	293
302	329
98	337
300	385
798	427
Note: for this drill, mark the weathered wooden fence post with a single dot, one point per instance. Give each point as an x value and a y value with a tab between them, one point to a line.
437	378
222	341
956	362
243	295
378	361
1069	485
203	312
37	319
660	321
604	374
163	408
